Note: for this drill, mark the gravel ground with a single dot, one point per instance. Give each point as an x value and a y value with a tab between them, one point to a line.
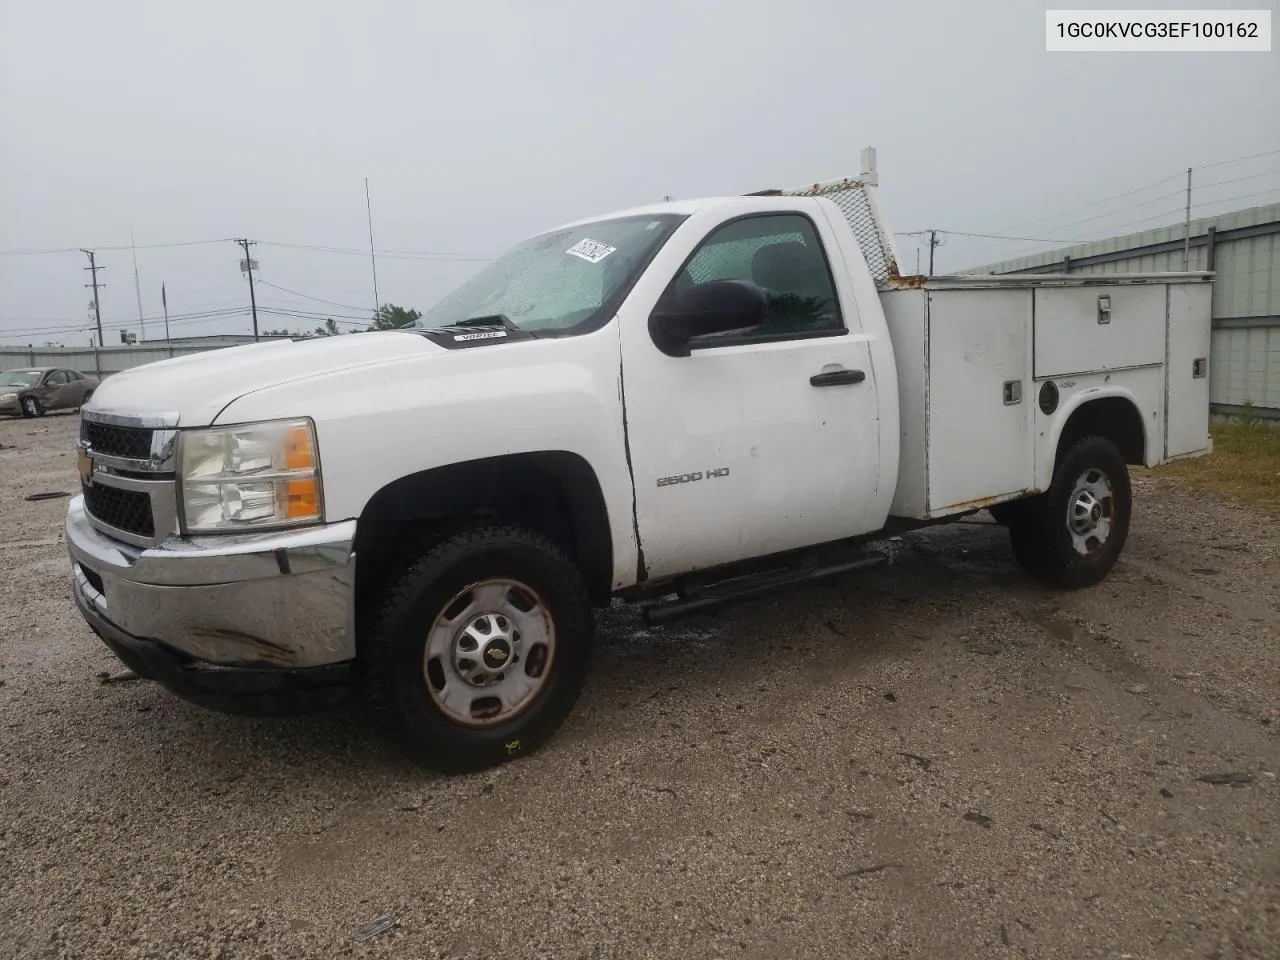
937	759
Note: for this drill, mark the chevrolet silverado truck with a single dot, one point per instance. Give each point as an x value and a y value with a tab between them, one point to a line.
681	405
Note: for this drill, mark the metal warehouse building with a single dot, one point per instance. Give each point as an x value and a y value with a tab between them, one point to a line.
1243	249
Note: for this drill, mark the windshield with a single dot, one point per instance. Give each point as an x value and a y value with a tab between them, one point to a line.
559	282
20	378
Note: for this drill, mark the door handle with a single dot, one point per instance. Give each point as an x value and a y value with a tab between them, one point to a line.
836	378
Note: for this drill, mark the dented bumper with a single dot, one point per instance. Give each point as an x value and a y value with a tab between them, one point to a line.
262	604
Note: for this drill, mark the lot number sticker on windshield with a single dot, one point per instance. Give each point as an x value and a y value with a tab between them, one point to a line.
592	251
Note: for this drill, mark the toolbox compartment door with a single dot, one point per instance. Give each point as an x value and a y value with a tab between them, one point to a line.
1098	327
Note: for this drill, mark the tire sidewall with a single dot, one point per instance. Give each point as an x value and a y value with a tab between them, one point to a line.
1089	453
398	677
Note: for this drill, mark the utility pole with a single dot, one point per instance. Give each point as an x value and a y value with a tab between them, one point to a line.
373	260
165	301
1186	227
246	266
93	268
137	287
933	243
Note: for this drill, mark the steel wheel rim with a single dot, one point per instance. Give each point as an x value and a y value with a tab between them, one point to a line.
29	406
1091	512
489	652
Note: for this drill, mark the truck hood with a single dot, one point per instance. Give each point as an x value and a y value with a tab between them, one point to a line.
192	390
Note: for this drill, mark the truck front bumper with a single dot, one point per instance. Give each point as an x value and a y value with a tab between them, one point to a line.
257	623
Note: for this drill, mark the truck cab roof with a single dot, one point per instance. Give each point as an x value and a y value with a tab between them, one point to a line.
687	208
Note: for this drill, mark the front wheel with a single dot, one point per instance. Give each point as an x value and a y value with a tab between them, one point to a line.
481	649
31	408
1073	535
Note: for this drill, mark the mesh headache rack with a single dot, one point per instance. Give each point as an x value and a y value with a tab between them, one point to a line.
856	200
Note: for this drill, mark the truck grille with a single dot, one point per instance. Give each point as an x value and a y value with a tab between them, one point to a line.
133	443
127	510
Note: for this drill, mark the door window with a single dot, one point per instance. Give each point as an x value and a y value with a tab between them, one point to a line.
57	378
781	254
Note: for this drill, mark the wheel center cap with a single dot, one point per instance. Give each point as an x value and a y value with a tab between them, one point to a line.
496	654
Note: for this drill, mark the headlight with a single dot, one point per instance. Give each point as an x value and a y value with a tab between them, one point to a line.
6	397
250	476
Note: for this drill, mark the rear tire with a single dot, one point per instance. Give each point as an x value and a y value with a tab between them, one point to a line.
31	408
481	649
1071	536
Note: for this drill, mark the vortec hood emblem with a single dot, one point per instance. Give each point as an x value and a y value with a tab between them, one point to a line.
491	335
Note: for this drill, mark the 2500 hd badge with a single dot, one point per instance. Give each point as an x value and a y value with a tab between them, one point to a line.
691	477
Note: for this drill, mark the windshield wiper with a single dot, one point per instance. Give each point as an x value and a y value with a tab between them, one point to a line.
493	320
489	320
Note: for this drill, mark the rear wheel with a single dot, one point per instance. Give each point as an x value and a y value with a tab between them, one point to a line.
31	408
1073	535
481	649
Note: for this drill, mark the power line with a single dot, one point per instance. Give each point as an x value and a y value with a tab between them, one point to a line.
1136	190
1112	228
1252	176
398	254
307	296
311	317
1165	196
121	318
362	316
123	321
1160	216
1093	203
995	236
317	315
197	317
1223	163
1242	196
144	246
69	331
318	248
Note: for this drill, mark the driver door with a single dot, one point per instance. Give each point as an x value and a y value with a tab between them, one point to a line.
760	442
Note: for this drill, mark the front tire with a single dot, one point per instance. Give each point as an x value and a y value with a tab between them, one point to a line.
31	408
481	649
1073	535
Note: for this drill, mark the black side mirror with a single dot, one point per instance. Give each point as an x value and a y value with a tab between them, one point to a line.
717	306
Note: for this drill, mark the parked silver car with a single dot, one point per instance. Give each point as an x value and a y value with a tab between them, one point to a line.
37	390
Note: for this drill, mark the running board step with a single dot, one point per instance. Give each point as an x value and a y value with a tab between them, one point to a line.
718	596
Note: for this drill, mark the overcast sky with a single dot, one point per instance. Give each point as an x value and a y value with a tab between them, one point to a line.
479	122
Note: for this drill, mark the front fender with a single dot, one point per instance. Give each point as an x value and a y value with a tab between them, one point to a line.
377	425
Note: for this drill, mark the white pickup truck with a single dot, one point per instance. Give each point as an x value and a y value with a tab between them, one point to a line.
683	405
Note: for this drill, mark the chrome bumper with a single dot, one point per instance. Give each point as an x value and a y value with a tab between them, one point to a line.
281	599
